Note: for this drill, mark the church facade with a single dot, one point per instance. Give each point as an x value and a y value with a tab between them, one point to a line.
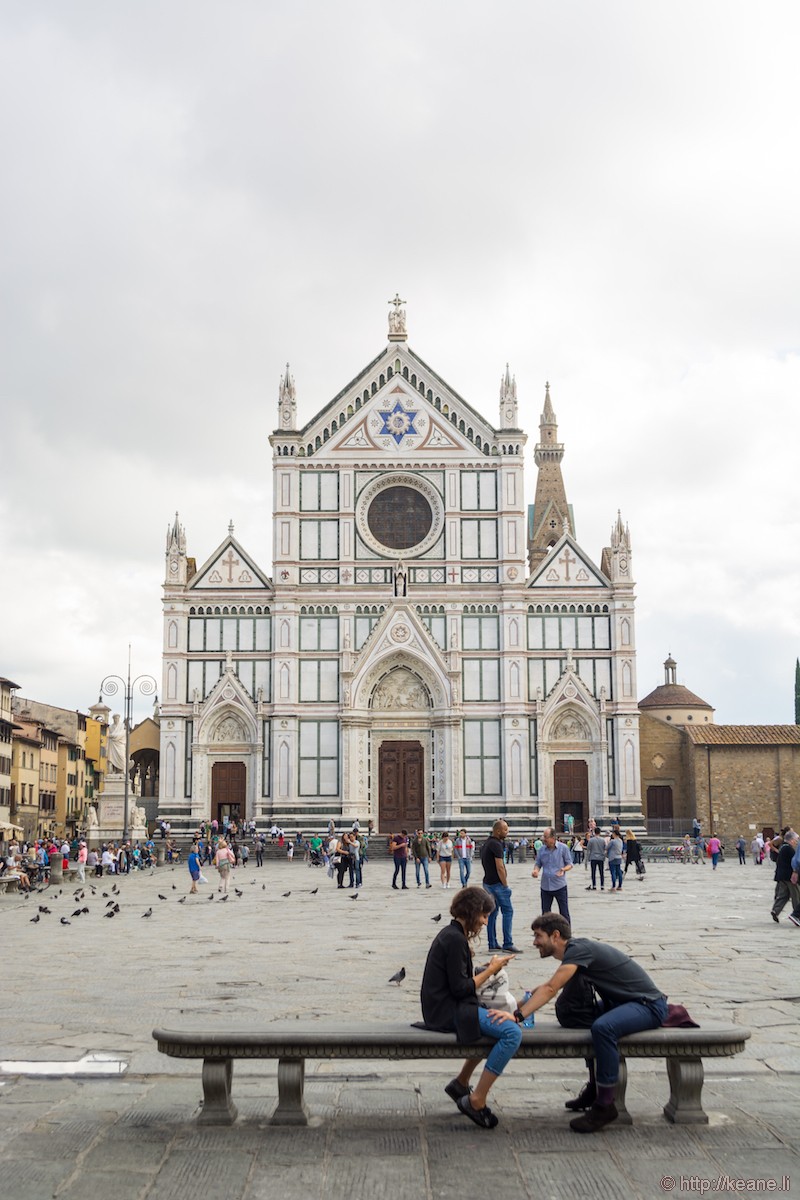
424	652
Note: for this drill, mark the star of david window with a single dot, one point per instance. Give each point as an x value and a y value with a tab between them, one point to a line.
399	518
397	422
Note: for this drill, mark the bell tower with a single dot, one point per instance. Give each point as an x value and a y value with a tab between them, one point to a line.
550	516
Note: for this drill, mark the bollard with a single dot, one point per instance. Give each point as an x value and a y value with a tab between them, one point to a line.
161	854
56	869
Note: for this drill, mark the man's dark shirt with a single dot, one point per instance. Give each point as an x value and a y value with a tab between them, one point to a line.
491	849
783	866
616	978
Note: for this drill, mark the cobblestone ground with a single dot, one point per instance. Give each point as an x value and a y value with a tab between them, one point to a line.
378	1129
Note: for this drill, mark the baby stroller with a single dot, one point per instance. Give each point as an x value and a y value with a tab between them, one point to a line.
315	859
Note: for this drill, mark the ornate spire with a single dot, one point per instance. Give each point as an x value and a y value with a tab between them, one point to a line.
230	527
176	537
177	566
508	401
397	320
620	535
287	402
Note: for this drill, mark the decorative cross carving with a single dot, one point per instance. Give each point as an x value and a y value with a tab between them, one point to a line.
567	559
397	302
230	562
453	574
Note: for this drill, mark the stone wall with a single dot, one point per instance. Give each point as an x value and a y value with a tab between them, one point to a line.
752	787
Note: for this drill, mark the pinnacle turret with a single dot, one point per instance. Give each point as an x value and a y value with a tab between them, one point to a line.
508	401
287	401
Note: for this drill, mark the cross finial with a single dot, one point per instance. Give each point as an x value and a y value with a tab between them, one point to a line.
397	320
230	527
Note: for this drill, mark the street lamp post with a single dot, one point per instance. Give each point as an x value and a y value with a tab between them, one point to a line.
109	687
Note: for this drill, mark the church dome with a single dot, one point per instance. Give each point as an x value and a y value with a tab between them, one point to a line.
673	702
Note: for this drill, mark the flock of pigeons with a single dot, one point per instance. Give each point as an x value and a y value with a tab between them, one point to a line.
112	908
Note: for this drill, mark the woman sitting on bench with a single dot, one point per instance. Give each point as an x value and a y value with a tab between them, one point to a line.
450	1002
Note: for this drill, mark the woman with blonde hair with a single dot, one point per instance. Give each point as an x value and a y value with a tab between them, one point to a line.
633	853
224	860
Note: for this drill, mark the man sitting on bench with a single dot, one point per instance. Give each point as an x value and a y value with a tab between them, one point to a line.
630	1002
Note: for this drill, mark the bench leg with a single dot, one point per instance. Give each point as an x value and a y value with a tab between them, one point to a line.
291	1108
218	1108
685	1092
624	1117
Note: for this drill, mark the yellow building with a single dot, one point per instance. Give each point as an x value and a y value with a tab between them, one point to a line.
48	782
25	776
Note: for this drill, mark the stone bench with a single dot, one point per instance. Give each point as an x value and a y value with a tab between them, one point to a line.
9	883
293	1043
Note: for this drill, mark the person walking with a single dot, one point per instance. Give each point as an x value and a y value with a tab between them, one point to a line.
741	850
714	848
633	854
193	863
614	856
83	854
399	849
553	861
786	891
421	852
449	997
596	854
445	859
224	860
495	881
464	849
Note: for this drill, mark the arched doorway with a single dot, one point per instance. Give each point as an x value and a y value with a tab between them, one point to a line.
228	781
401	794
571	792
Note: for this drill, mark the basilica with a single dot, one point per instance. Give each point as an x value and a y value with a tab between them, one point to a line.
424	651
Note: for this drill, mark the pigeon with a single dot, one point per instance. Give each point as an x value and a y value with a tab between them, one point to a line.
353	897
161	897
84	910
182	900
149	913
313	892
211	897
64	921
222	899
263	887
398	977
42	909
114	888
110	913
77	912
174	887
437	919
115	908
36	918
253	882
105	895
93	889
238	893
110	904
286	895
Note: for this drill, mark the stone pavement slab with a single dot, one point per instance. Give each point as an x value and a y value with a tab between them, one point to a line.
378	1128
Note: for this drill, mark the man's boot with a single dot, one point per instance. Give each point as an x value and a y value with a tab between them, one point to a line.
585	1099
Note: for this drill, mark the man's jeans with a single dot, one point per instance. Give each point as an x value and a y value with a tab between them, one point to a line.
502	902
464	870
422	862
560	897
400	865
616	1023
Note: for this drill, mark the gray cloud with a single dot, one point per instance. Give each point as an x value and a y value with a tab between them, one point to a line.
604	196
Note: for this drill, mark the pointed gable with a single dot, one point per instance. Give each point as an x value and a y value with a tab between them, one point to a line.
398	405
567	567
230	569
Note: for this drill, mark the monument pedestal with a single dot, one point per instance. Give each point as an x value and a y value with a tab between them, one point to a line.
111	809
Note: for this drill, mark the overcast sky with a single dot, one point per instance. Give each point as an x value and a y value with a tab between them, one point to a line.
604	195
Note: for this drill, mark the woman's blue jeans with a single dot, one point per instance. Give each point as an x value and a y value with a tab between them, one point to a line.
507	1036
615	869
616	1023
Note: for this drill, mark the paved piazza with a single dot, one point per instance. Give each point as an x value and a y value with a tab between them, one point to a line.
379	1129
